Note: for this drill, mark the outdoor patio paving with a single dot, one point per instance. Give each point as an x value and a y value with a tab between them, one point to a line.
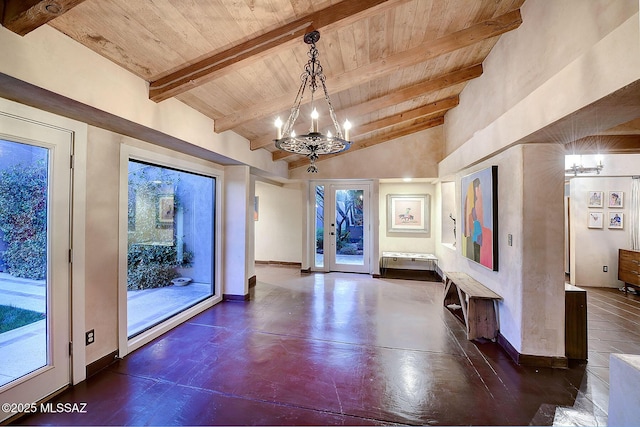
22	350
146	306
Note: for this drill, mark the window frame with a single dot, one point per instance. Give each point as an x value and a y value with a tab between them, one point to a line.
183	163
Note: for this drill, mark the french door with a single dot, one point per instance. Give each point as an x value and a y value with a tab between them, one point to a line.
342	227
35	180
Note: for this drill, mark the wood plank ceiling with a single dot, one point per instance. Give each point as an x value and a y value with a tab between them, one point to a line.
393	67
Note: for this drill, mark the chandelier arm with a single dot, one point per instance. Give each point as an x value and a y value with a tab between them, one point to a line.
332	112
295	109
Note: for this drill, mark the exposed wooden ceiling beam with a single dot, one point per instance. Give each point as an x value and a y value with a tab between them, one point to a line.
24	16
394	98
256	49
419	125
605	144
439	107
382	67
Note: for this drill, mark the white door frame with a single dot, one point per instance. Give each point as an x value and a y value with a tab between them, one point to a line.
66	364
330	187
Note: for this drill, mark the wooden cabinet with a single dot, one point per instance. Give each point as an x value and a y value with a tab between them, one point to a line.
629	268
575	322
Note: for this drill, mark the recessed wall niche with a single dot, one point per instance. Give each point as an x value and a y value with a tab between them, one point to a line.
449	213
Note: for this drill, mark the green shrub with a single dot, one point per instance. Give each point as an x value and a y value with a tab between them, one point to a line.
320	238
349	249
153	266
147	276
23	219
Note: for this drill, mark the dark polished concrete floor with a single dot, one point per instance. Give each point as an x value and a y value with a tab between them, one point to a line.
344	349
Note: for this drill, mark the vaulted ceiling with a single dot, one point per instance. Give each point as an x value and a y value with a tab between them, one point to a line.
393	67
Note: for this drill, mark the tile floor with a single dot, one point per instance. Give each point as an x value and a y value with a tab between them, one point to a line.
346	349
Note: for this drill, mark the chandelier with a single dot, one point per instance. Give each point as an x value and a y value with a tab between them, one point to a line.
574	166
313	143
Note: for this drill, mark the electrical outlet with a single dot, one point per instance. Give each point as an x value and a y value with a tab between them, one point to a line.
605	268
90	337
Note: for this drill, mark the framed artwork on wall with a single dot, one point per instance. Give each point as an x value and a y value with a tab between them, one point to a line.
596	199
616	220
596	220
408	213
616	199
479	222
166	205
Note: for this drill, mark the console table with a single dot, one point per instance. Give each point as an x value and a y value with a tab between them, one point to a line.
430	259
629	268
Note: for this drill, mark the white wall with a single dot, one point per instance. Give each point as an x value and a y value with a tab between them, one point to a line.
406	242
553	65
449	228
591	249
278	231
565	56
102	211
413	156
530	271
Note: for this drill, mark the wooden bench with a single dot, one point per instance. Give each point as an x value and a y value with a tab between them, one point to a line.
479	305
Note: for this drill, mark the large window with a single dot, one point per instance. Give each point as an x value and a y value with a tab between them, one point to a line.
170	245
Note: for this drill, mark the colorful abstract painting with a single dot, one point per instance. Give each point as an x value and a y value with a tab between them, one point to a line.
479	222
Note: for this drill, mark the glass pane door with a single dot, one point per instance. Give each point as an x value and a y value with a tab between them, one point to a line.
35	182
349	228
319	226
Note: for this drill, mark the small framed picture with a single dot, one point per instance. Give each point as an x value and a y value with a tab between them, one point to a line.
596	220
616	220
616	199
596	199
165	209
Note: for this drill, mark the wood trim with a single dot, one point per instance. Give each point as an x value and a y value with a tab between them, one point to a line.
531	360
252	281
26	93
601	144
282	263
102	363
384	66
235	298
410	274
251	51
22	17
397	97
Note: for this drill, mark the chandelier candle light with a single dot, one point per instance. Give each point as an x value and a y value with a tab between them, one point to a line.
313	143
